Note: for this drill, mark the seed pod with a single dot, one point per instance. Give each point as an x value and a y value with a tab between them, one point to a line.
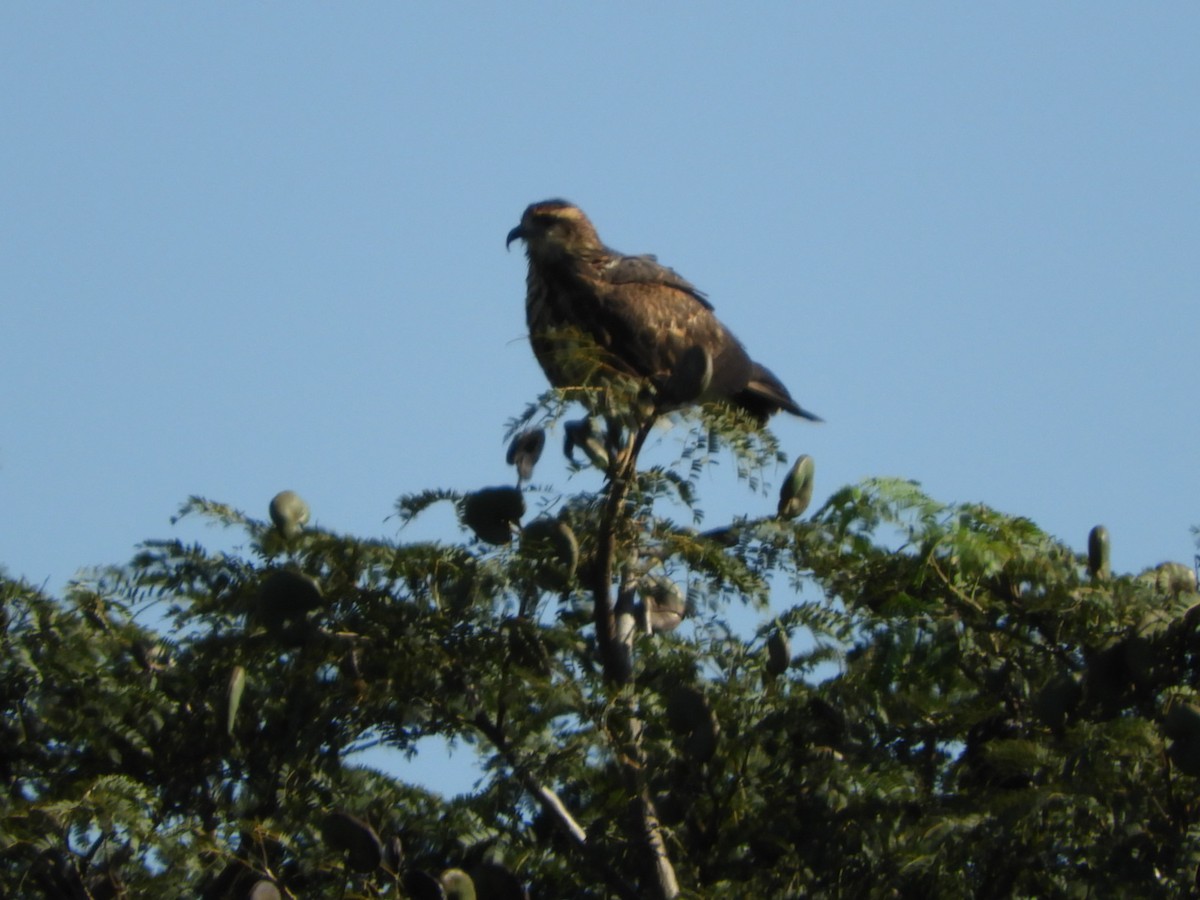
493	881
421	885
1107	677
664	601
355	838
1185	754
458	885
1098	552
286	596
701	744
1182	721
289	512
492	513
553	544
779	652
263	890
689	714
524	452
233	697
585	434
797	490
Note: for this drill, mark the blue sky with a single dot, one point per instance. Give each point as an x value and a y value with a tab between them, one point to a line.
247	247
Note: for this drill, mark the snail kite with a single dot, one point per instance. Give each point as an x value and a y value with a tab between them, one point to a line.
637	317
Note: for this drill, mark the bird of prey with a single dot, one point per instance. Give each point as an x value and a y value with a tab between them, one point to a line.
643	318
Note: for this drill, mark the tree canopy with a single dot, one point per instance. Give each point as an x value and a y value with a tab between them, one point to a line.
937	700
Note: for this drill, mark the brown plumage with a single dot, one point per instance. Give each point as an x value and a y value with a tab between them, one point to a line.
642	316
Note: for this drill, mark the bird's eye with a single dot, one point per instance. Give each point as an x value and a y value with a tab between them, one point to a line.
545	220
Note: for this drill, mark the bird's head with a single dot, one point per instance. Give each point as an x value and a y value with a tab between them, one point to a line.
553	230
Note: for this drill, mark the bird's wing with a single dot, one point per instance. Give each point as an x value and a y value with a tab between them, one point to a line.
647	270
651	322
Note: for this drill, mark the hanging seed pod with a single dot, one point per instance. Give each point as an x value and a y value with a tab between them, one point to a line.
1182	721
1107	678
493	881
688	380
524	452
552	543
689	715
421	885
797	490
664	601
826	724
1098	552
233	697
701	744
458	885
355	838
1182	725
492	513
686	706
286	596
585	434
263	890
1185	754
289	512
779	652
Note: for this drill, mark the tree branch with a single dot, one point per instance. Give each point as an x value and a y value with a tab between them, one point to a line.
616	654
553	806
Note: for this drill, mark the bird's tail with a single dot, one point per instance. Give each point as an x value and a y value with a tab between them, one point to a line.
765	395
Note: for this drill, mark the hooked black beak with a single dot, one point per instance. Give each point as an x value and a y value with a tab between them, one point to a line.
513	235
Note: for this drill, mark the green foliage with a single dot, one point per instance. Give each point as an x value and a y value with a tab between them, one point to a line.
942	701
